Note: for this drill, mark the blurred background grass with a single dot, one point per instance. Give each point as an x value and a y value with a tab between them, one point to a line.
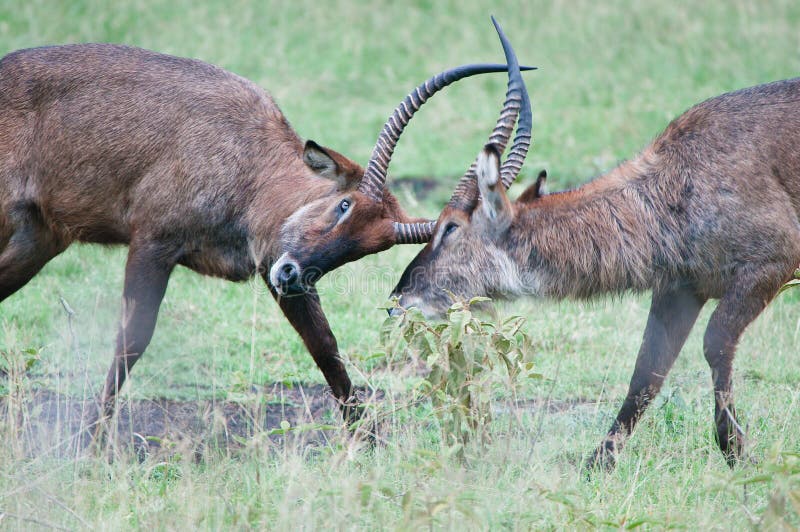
612	73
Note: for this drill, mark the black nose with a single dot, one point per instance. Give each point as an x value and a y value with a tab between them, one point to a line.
288	276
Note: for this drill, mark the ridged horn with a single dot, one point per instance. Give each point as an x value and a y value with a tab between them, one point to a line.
522	141
413	233
375	175
465	195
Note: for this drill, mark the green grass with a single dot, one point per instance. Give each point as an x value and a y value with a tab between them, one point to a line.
611	77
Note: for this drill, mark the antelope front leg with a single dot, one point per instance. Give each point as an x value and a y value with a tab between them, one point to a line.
146	275
304	312
672	315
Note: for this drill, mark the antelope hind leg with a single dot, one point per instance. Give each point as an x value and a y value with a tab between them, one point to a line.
673	312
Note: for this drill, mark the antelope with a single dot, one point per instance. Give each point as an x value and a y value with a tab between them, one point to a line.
186	164
709	210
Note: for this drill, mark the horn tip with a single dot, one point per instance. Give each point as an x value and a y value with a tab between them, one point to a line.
496	24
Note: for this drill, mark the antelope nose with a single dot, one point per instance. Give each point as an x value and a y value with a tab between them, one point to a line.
288	274
394	311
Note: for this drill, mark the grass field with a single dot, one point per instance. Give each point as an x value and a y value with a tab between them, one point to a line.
611	77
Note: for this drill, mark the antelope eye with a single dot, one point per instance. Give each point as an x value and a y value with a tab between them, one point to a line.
344	205
449	228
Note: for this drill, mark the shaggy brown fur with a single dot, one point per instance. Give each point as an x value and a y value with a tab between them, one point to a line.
182	161
710	210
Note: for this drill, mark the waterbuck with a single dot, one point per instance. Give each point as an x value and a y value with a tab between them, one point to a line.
709	210
180	160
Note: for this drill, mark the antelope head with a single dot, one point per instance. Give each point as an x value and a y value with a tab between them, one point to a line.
362	217
467	255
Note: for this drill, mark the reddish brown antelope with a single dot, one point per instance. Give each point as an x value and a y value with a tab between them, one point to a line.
709	210
186	164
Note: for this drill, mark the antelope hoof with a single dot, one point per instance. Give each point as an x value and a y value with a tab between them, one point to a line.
358	422
92	433
731	443
604	458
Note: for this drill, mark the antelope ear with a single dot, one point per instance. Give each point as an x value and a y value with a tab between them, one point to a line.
536	190
332	165
495	205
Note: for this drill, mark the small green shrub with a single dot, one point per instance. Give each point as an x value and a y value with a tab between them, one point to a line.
468	361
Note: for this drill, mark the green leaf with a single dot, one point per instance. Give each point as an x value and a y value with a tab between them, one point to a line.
790	284
406	501
458	320
439	328
509	365
430	341
457	301
512	325
501	343
415	315
366	494
30	363
387	327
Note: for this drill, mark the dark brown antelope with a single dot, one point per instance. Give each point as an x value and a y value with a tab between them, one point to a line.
709	210
185	163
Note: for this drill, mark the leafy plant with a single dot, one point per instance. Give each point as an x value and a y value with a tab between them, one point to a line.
14	368
463	354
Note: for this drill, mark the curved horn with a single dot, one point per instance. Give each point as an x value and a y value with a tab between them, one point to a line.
375	174
465	196
413	233
522	141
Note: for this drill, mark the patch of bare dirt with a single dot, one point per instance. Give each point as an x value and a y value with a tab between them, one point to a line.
554	406
58	425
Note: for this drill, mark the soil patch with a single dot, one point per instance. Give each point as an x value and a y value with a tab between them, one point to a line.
58	425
